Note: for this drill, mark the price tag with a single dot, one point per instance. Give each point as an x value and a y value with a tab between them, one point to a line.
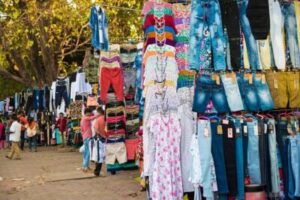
245	129
230	133
250	79
265	128
206	132
220	130
225	121
218	79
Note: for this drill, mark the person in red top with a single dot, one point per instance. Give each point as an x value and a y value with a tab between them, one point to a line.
87	133
23	121
61	124
99	127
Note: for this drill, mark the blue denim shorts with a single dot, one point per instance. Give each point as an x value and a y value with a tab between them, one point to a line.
248	92
207	89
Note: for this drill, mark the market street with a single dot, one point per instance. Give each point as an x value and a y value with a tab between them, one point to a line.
49	174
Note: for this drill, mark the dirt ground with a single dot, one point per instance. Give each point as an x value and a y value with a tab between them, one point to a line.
42	176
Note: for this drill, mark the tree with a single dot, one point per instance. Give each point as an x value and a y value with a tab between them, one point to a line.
38	36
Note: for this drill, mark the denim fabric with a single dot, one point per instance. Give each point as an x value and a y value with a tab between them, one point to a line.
99	24
253	153
206	15
233	94
207	89
231	21
86	154
61	93
239	160
38	99
138	68
218	156
248	92
295	162
263	93
32	141
288	11
291	178
204	142
275	180
229	133
250	41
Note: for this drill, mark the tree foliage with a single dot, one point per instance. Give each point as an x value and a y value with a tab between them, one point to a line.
38	37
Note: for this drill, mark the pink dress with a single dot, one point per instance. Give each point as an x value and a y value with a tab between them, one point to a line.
167	181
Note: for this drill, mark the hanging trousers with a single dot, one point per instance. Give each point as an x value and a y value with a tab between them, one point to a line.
231	21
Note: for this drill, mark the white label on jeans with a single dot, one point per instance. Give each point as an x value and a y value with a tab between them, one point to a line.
265	128
245	129
206	133
255	130
225	121
230	133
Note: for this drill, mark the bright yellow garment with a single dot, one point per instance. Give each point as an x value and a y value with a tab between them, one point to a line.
297	12
245	55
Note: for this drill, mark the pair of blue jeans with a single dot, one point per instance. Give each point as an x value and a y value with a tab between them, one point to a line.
253	152
206	90
250	40
218	156
275	179
290	24
205	142
295	162
86	154
206	23
38	99
239	144
32	141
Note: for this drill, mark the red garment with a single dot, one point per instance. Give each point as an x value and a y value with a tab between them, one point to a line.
100	126
115	119
61	124
23	121
115	77
116	132
131	148
2	132
86	126
159	22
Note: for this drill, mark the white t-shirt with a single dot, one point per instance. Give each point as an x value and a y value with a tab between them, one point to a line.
15	130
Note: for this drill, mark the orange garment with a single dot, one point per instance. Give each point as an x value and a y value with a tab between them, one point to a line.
160	37
99	126
23	121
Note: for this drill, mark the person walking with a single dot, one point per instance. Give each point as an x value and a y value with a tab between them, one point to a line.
24	122
100	137
15	137
86	130
2	135
32	134
61	124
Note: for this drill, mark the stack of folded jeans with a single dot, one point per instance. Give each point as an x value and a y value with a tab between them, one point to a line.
116	130
132	121
111	74
115	119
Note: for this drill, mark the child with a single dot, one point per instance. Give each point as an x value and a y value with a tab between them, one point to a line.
32	134
98	144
